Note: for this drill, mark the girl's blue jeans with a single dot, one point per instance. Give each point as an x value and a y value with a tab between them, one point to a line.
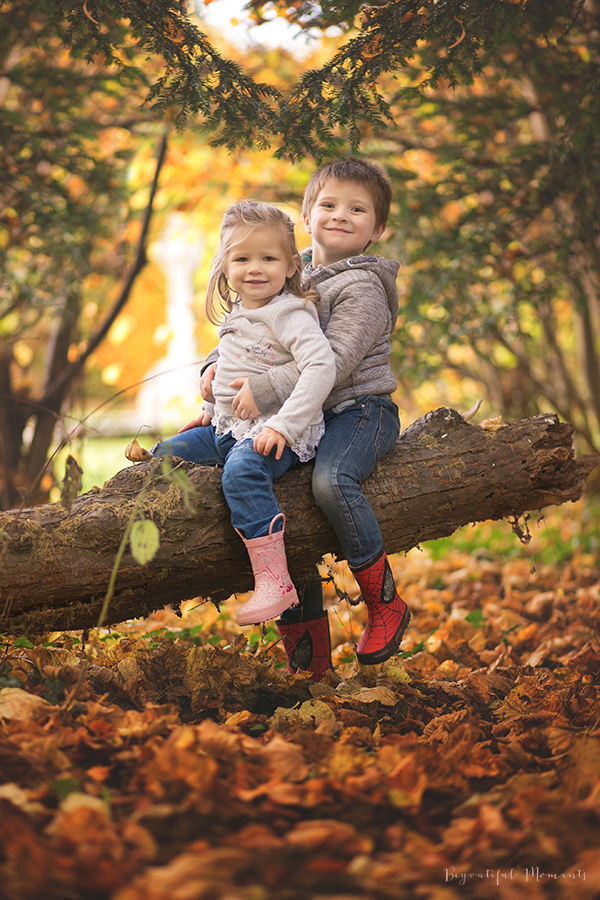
248	476
356	437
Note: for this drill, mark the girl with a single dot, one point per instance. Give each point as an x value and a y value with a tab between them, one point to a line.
269	320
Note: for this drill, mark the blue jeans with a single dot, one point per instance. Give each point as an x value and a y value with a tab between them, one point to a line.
355	439
248	476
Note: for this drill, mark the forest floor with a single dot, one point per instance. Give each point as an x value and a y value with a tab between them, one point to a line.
175	759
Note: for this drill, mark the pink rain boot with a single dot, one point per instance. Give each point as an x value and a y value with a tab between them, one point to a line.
307	644
273	589
388	614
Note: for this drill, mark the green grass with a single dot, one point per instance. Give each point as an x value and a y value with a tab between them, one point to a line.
557	535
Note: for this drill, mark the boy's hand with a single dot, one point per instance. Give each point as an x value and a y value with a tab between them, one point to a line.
201	422
243	403
206	380
267	439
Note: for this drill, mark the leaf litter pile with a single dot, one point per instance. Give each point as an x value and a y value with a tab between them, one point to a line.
175	758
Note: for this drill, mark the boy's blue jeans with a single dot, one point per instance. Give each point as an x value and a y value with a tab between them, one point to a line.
248	476
356	437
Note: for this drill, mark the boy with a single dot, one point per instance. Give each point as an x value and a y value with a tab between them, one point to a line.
345	208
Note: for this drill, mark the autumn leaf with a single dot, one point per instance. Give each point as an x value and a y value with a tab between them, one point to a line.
18	704
71	483
145	541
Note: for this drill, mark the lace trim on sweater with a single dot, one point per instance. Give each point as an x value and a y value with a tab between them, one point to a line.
305	447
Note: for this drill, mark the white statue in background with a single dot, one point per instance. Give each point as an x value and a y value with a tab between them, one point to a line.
171	394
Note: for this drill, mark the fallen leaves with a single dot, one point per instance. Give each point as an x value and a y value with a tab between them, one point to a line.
134	452
198	769
18	704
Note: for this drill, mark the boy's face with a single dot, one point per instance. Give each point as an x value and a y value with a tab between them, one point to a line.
341	222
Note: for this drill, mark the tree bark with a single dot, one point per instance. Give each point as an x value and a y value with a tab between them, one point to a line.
55	564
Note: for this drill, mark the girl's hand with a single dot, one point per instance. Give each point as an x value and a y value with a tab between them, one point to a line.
201	422
206	380
243	403
267	439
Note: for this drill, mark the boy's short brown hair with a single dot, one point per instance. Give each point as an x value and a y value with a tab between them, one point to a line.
348	168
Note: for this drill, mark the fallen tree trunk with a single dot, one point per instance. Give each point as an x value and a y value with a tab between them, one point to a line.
55	564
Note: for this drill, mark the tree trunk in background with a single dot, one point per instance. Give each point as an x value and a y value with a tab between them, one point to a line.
12	421
21	468
47	416
55	565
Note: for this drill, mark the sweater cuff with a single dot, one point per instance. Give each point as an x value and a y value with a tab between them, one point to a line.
263	392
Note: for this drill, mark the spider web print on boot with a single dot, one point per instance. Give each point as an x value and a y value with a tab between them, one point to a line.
307	645
387	613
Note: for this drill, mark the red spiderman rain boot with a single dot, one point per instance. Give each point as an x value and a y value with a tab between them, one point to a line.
307	644
273	588
388	614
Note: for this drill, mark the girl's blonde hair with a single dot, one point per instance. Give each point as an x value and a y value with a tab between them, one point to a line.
250	214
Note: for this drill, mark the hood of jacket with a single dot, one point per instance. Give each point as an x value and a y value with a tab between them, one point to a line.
385	269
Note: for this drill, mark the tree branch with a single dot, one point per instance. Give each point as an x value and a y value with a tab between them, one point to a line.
71	371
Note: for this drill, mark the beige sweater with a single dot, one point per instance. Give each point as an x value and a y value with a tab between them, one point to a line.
254	342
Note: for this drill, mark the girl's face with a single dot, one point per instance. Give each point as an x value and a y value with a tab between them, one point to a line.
257	265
